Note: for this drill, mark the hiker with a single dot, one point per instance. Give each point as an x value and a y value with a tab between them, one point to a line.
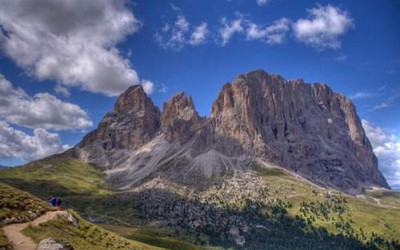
59	202
53	201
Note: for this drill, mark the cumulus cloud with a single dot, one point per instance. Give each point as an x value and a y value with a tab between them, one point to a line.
72	42
273	34
262	2
17	144
229	28
386	147
40	111
177	35
323	28
199	34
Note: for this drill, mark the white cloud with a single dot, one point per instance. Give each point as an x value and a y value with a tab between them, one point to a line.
229	28
386	147
148	86
199	34
72	42
163	88
382	105
361	95
174	7
40	111
324	27
262	2
340	58
273	34
182	24
179	34
62	90
17	144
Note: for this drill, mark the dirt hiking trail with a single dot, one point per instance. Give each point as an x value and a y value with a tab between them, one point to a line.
21	242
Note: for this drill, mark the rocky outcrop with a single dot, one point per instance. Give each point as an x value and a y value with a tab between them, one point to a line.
134	122
179	120
51	244
305	128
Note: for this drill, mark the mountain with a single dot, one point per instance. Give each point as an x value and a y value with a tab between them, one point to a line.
262	172
258	118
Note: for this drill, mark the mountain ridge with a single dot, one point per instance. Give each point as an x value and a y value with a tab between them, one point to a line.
308	129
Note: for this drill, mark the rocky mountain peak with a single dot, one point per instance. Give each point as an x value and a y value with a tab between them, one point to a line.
134	121
305	128
180	106
179	118
134	99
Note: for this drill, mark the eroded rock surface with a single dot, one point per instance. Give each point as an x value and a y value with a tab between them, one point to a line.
308	129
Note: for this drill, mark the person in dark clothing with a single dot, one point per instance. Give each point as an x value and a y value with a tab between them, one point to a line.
59	202
53	201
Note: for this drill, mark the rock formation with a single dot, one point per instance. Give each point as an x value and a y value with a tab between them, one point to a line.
305	128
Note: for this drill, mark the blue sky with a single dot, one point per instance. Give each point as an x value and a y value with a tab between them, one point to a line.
64	62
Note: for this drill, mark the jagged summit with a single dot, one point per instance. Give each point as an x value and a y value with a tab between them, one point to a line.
179	119
308	129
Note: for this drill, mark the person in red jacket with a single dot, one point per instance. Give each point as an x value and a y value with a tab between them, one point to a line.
59	202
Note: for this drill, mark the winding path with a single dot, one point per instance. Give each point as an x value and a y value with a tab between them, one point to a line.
21	242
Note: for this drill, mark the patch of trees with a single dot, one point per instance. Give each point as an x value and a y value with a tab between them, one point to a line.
255	225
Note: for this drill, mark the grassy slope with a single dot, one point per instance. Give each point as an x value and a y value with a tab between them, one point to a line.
382	219
157	237
83	187
87	236
62	177
23	207
17	206
77	183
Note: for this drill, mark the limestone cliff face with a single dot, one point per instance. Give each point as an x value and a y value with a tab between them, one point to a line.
305	128
133	122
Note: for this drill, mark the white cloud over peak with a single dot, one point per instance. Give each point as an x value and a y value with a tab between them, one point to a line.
148	86
40	111
386	147
72	42
273	34
323	28
181	33
17	144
